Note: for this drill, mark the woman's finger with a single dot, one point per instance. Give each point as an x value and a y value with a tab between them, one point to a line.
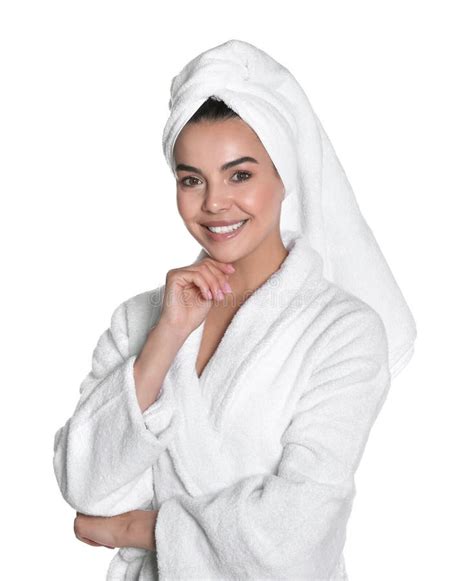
88	541
218	279
212	281
195	276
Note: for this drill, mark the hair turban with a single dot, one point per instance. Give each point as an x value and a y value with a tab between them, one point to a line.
319	200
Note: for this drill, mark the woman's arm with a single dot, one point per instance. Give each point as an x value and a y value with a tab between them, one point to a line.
103	455
135	528
154	361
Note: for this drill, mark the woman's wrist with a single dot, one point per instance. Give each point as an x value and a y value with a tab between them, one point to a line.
173	332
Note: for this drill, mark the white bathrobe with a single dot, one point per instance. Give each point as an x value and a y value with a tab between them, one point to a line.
251	465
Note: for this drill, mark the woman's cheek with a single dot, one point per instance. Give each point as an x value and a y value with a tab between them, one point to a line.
187	206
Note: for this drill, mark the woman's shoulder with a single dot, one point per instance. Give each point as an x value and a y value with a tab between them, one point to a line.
339	313
344	334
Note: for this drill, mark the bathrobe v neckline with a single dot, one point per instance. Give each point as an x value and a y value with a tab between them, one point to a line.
261	316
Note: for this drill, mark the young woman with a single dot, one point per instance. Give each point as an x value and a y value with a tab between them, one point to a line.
219	430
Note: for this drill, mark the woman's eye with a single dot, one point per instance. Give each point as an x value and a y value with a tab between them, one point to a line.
245	173
243	176
183	181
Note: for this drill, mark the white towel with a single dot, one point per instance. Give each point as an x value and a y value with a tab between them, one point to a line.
319	200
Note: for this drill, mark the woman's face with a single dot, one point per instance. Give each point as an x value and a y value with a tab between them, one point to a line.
213	186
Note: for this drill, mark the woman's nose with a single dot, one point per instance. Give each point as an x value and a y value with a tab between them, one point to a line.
217	198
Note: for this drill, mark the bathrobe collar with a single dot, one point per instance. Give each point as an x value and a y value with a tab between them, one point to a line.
263	315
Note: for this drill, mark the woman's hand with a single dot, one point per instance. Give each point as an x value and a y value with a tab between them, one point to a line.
190	290
135	528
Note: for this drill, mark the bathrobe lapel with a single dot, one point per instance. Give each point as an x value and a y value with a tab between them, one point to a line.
262	316
204	403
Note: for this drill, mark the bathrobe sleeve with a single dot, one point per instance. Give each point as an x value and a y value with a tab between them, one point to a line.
291	524
103	455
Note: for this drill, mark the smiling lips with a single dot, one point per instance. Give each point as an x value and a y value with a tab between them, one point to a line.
223	232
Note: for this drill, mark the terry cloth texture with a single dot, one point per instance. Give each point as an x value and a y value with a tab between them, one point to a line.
251	465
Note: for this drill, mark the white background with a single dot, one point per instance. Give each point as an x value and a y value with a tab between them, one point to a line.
89	219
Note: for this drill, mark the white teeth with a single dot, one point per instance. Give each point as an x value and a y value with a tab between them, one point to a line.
225	229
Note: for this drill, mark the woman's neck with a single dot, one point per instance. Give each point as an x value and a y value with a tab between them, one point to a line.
254	269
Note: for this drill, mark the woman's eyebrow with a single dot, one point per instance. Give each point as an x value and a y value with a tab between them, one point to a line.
227	165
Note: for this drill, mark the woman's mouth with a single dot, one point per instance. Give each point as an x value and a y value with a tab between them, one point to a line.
219	233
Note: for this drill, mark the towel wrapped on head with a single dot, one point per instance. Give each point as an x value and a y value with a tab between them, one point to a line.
319	200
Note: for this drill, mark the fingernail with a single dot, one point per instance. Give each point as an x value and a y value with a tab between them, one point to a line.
226	287
220	294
